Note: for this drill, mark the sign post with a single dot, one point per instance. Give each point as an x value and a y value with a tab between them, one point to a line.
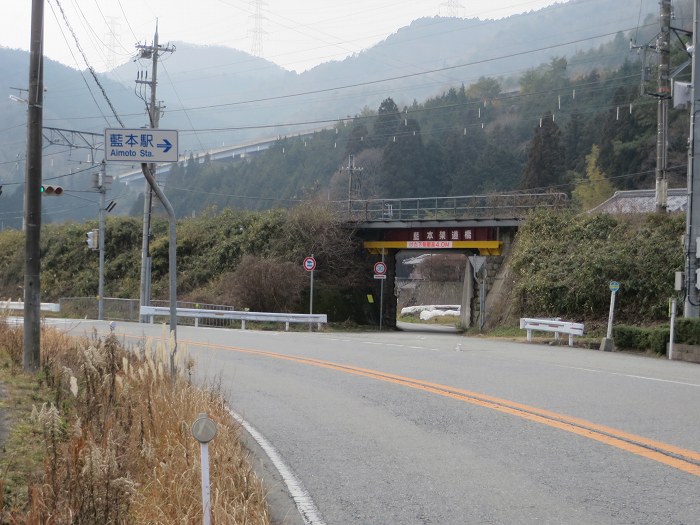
607	344
380	273
204	430
148	146
310	266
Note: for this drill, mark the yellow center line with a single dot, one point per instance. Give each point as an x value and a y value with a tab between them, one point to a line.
682	459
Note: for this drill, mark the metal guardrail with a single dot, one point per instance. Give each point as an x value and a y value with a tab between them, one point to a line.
116	309
506	206
551	325
232	315
18	305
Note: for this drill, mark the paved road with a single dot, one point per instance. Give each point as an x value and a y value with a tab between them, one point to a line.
409	428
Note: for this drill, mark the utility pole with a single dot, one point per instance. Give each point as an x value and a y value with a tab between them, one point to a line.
149	173
32	193
102	183
663	94
154	110
661	46
692	298
354	186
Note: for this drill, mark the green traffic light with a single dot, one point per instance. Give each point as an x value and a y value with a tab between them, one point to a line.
51	190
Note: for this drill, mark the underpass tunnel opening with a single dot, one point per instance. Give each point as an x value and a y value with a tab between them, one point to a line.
441	267
431	285
429	278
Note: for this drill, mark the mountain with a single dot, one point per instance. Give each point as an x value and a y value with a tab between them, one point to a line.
216	95
236	90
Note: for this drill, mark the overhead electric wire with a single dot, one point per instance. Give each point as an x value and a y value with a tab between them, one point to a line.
500	99
374	82
90	68
87	85
398	77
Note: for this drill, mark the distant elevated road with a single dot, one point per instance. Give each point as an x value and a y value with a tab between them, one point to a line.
417	428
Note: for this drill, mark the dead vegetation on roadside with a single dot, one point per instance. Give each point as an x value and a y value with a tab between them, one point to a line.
114	432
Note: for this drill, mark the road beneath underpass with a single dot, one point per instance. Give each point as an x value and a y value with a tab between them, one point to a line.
419	428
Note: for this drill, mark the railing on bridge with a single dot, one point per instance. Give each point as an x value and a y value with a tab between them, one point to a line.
502	206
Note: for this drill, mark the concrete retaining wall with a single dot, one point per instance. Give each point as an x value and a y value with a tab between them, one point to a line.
689	353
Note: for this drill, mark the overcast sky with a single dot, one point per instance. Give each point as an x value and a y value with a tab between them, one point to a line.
298	34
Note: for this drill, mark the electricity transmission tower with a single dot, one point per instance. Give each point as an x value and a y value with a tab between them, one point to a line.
112	39
257	32
452	8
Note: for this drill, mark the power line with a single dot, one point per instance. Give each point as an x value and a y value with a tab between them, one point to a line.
90	68
399	77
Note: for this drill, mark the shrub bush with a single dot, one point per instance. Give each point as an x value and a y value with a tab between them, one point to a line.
687	331
562	264
642	339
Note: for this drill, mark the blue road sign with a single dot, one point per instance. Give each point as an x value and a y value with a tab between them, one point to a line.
141	145
614	286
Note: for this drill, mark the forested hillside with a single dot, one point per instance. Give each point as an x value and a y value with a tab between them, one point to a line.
585	135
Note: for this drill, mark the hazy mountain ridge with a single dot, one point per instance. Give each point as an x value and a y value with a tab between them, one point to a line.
236	90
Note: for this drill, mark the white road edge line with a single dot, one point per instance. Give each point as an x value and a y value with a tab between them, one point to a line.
305	505
646	378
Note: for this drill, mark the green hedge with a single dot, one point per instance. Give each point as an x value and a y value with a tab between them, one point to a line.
656	338
642	339
687	331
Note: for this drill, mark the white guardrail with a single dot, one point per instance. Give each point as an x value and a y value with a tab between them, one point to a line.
551	325
198	313
18	305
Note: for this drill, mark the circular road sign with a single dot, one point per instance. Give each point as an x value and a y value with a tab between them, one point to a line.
309	264
203	429
614	286
380	268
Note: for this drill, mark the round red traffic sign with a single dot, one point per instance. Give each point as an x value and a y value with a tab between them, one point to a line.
309	264
380	268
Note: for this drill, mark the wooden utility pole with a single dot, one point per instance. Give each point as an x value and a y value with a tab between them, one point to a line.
32	193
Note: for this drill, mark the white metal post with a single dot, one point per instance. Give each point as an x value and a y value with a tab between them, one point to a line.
311	292
381	297
206	489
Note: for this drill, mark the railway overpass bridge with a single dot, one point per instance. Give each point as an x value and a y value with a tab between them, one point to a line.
481	225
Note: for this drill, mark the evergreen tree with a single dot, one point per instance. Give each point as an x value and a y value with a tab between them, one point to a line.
404	172
387	122
357	140
573	139
545	159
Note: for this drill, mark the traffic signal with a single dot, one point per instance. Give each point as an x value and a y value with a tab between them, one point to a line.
93	239
51	190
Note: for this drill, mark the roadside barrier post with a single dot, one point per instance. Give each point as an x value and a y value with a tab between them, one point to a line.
204	430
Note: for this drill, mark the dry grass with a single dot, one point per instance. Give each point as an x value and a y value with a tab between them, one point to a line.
118	447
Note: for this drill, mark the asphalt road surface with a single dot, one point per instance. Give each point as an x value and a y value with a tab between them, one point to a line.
411	428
